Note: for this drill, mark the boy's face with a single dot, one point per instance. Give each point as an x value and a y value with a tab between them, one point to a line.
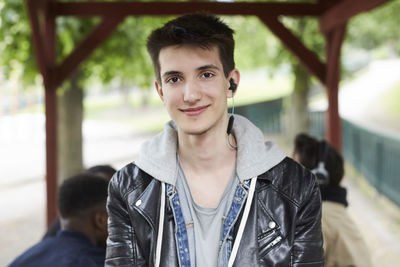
194	88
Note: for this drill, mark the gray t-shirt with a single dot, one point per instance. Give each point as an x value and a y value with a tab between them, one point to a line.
207	222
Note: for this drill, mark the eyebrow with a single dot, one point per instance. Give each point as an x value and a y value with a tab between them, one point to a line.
172	72
205	67
209	66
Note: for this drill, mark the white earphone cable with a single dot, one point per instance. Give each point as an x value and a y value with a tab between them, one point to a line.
243	222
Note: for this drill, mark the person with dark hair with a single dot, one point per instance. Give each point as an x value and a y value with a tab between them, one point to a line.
207	191
343	242
82	239
105	171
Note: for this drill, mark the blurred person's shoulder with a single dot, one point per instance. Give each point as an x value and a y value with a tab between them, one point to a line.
293	180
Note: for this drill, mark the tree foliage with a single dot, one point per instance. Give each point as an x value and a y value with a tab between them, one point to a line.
122	56
15	41
377	28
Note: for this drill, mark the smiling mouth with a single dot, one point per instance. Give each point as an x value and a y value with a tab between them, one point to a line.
191	112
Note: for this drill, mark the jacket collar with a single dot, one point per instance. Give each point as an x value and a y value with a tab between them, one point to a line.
157	156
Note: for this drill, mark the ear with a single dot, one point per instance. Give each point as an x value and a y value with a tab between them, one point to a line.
159	90
100	220
235	76
100	232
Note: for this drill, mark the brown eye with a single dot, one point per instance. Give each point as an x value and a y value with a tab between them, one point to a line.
173	80
208	75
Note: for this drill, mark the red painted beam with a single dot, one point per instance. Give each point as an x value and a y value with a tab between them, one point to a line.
339	14
333	128
306	56
176	8
85	48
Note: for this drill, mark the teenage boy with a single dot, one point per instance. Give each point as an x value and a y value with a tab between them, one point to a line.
207	191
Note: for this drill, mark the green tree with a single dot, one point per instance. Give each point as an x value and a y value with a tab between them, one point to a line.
377	30
122	57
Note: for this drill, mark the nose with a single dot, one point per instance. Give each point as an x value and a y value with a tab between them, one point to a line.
192	92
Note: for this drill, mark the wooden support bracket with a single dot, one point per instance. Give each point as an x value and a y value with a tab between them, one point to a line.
86	47
307	57
339	14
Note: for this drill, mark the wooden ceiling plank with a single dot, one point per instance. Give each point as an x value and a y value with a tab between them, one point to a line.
171	8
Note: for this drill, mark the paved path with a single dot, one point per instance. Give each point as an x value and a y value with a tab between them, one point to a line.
358	99
377	219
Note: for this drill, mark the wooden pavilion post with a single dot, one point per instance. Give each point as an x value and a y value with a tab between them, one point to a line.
333	127
43	27
333	25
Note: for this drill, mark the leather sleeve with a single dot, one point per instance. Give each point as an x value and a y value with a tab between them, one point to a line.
307	248
121	244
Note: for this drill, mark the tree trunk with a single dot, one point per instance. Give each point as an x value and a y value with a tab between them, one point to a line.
297	110
70	118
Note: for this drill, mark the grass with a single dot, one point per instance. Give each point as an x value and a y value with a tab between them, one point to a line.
261	89
389	102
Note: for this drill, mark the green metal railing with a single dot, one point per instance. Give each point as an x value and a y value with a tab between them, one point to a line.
265	115
374	155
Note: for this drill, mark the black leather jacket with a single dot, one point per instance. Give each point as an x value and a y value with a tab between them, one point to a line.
286	196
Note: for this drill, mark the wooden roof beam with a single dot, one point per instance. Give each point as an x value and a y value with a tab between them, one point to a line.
170	8
339	14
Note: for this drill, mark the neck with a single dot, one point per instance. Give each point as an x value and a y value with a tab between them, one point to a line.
205	152
74	224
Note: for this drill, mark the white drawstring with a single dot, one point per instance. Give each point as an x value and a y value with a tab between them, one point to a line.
243	222
160	226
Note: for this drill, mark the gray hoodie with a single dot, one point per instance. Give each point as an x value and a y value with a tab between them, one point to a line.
157	156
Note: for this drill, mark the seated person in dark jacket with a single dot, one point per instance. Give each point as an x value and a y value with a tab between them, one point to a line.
105	171
81	240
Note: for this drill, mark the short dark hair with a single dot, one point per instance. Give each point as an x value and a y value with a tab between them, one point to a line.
307	149
81	193
201	30
105	171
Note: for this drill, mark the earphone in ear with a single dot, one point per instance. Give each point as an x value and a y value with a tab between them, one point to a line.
320	171
230	124
232	85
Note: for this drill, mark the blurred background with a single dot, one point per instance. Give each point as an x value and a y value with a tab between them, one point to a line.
108	107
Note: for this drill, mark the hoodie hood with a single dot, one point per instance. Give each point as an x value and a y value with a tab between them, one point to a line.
158	158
